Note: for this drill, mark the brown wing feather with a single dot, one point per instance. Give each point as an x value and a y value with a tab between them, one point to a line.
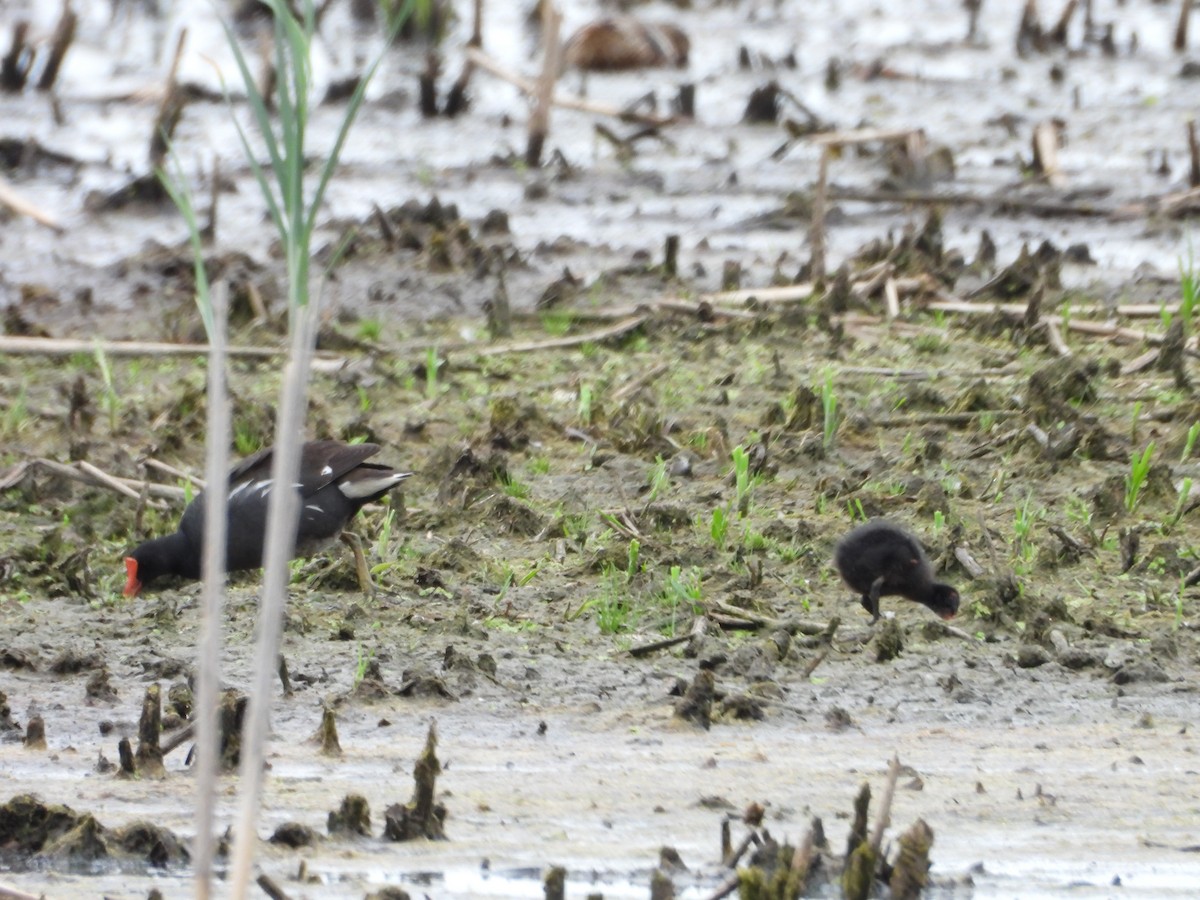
324	462
245	469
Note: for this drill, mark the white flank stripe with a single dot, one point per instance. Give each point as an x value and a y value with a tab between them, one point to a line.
365	487
251	486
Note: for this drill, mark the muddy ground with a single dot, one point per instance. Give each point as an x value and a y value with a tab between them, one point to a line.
568	501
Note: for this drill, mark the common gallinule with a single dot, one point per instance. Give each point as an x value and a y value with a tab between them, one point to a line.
878	559
335	483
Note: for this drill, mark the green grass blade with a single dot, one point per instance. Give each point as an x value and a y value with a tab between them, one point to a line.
292	48
262	119
175	184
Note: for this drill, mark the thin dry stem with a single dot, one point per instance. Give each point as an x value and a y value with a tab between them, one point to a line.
539	118
885	806
281	516
128	487
69	347
22	207
555	343
529	86
208	689
816	234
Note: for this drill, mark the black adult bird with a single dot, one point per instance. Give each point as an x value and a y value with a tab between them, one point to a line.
335	482
879	559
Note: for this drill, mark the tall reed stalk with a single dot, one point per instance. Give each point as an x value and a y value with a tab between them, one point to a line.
216	496
293	211
213	307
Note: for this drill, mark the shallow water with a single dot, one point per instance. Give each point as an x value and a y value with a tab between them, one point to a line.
701	183
1035	782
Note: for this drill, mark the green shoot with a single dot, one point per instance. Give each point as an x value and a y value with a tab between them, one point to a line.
1078	510
829	406
16	416
719	527
929	343
1139	470
557	322
658	479
754	541
613	610
176	185
1189	288
1134	420
530	575
1185	490
633	566
245	439
514	488
681	589
509	576
1190	444
370	330
585	405
362	664
857	513
364	399
384	538
1024	521
111	401
613	614
511	580
742	480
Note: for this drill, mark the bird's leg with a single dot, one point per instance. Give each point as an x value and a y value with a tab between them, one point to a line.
873	610
871	600
360	562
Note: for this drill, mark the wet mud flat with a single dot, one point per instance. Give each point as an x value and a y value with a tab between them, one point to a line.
1029	415
1036	779
519	587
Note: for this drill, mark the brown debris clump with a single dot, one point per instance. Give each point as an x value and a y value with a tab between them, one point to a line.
423	816
611	45
35	734
353	817
777	871
149	757
697	702
326	736
29	826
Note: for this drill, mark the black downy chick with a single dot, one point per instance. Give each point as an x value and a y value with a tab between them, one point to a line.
879	559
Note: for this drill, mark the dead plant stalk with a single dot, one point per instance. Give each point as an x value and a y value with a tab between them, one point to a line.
208	688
